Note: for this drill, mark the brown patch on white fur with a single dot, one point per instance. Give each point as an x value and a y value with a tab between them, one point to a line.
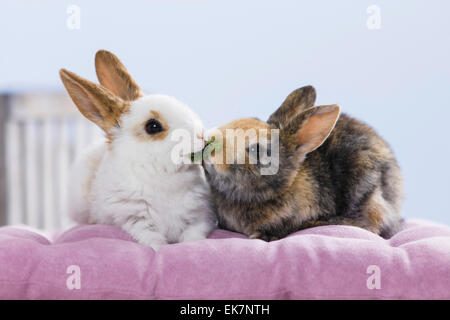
95	102
141	134
113	75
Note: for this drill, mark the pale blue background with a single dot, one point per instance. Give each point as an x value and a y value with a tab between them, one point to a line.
229	59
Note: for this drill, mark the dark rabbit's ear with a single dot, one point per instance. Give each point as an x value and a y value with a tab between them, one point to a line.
94	101
113	75
298	101
307	131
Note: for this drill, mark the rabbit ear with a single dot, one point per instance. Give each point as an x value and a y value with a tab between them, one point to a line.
298	101
113	75
312	127
95	102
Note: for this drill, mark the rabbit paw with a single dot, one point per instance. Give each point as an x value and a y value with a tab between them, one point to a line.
263	236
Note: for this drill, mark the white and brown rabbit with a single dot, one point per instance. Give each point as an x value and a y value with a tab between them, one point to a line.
132	179
331	169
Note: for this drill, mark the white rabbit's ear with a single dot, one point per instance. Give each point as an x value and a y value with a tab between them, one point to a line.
95	102
113	75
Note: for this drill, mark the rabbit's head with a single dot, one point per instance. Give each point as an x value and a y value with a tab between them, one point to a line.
259	160
148	129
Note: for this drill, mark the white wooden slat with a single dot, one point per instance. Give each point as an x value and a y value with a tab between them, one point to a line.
32	196
14	188
63	165
50	222
46	171
81	136
37	179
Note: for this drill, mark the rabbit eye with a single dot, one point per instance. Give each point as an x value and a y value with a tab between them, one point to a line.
261	153
153	126
254	150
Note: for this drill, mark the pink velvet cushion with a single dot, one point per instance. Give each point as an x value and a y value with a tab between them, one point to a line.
330	262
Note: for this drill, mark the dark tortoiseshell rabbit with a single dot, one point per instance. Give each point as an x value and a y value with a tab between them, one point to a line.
333	169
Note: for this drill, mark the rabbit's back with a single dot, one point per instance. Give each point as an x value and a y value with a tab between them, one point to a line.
357	178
